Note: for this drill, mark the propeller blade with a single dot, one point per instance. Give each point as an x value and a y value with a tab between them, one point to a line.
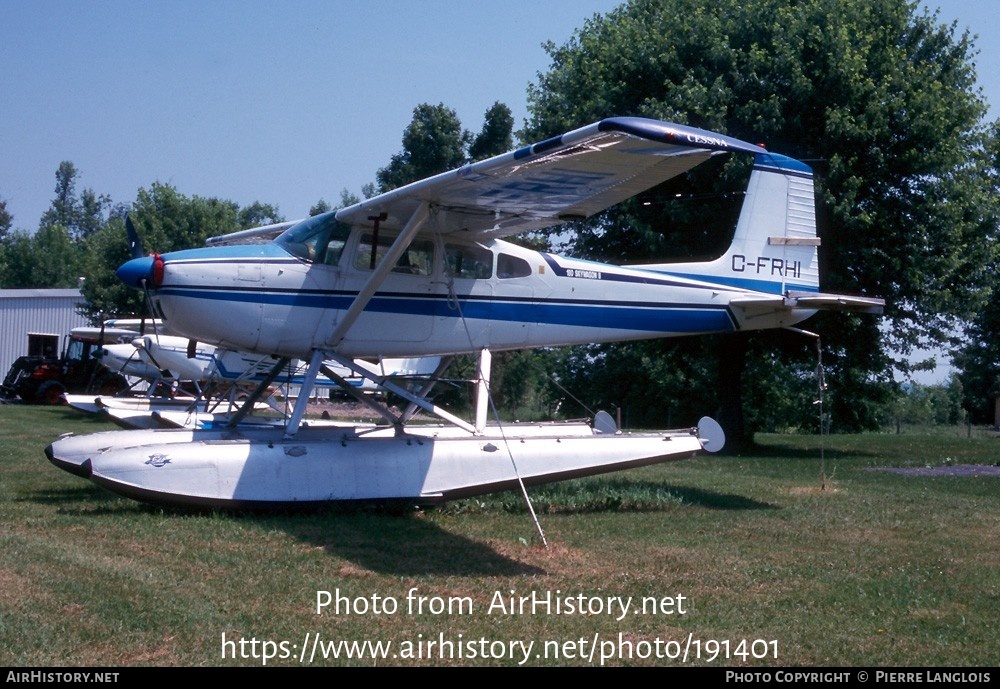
134	241
136	250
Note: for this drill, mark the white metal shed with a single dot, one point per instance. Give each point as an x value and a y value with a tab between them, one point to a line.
25	312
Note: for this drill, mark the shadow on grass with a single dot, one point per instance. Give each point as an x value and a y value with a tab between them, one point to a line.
398	540
88	500
68	413
387	539
613	495
801	451
407	546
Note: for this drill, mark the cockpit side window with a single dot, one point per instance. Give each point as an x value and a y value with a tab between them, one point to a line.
319	239
465	261
336	243
418	259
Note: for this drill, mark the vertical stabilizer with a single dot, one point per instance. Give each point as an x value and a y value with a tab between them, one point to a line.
775	246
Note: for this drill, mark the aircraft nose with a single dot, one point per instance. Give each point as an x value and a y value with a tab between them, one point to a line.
137	271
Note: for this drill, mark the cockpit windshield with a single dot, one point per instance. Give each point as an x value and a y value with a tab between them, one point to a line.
319	239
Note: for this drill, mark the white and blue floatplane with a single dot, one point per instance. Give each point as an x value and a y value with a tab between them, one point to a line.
424	271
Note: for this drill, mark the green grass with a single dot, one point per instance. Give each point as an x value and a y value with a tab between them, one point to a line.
874	569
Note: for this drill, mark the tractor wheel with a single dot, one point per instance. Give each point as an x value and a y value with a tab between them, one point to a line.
51	392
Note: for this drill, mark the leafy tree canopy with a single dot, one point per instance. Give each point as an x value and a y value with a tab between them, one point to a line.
258	214
435	142
497	135
881	98
81	215
978	355
6	219
166	220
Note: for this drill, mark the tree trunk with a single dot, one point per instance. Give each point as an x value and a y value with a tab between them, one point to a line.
732	363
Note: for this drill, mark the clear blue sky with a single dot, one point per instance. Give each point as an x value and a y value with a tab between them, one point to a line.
284	103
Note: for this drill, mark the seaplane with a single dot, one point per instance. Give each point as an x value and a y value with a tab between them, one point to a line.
425	270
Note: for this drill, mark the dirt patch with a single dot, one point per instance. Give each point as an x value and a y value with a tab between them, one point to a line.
343	410
813	490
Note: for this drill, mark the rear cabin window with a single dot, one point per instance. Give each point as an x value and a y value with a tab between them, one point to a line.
418	259
463	261
512	267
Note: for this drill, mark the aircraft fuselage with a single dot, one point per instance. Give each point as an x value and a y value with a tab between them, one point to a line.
441	298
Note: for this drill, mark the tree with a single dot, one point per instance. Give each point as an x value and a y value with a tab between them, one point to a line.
6	222
883	97
924	405
978	363
6	219
91	211
322	206
166	221
433	142
105	295
348	198
63	210
49	258
258	214
56	261
497	135
18	258
980	373
977	357
81	215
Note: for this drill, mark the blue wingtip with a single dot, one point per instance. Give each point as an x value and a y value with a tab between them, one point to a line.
135	272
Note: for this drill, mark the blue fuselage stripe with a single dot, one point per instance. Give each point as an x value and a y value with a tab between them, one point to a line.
619	315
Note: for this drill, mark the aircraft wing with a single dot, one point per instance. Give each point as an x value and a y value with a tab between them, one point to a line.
568	177
254	235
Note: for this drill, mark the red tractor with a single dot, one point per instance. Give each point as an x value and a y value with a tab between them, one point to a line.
45	379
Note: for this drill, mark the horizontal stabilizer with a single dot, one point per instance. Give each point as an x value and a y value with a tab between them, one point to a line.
757	312
813	301
835	302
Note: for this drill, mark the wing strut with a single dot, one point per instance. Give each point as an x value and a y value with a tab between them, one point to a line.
483	389
299	411
413	225
248	406
379	409
418	400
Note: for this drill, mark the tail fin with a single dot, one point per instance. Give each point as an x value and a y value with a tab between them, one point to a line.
775	247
